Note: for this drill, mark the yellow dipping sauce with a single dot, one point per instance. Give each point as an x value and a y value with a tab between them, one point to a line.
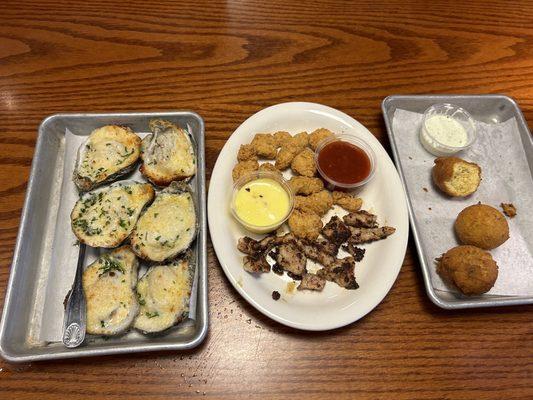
262	202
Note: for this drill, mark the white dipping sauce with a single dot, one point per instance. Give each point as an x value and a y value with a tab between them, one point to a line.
445	130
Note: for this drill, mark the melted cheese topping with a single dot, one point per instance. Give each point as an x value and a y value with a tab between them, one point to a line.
163	294
108	285
105	217
166	228
108	150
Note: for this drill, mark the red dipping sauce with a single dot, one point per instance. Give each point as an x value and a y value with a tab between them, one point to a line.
344	163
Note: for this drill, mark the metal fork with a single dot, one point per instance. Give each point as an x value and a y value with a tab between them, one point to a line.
75	324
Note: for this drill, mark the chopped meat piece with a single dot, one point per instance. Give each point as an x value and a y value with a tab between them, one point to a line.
322	251
291	258
508	209
341	272
246	153
304	163
336	231
265	145
282	137
347	201
269	167
365	235
319	203
243	168
277	269
256	264
312	282
361	219
275	295
252	247
305	185
318	136
356	252
305	225
295	277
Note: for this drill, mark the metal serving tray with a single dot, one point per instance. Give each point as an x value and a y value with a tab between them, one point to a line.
22	319
484	108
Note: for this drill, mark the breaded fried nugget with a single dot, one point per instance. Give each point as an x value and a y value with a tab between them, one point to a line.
305	224
265	145
301	139
317	136
304	163
282	137
244	167
246	153
269	167
305	185
347	201
318	203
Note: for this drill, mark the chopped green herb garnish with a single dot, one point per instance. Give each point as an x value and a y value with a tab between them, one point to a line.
109	264
152	315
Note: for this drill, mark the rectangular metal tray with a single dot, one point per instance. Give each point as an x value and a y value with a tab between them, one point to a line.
484	108
27	285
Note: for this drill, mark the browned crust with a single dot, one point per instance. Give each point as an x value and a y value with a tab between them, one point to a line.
443	172
162	181
482	226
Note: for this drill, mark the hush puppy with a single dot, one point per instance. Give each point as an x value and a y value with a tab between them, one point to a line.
319	203
469	268
265	146
455	176
305	185
318	136
482	226
347	201
243	168
304	163
246	153
305	224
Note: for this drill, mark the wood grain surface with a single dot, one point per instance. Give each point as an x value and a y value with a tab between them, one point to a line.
227	60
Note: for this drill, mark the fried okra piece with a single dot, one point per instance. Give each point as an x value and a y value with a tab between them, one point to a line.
304	163
243	168
246	153
319	203
265	146
281	138
305	224
347	201
318	136
305	185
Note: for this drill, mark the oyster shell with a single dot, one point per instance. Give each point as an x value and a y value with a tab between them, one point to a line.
106	216
108	153
164	293
168	227
167	154
109	287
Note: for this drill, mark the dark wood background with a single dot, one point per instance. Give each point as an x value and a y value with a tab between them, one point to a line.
227	60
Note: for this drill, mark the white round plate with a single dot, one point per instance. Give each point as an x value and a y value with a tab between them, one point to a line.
384	195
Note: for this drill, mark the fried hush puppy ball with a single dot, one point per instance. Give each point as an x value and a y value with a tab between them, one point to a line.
305	224
469	268
304	163
319	203
282	137
305	185
317	136
347	201
455	176
243	168
482	226
246	153
265	146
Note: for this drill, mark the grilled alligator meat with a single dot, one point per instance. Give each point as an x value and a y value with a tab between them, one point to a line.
361	219
312	282
256	264
336	231
356	252
250	246
366	235
341	272
291	258
321	251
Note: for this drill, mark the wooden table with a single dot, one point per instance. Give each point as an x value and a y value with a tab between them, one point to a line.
227	60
